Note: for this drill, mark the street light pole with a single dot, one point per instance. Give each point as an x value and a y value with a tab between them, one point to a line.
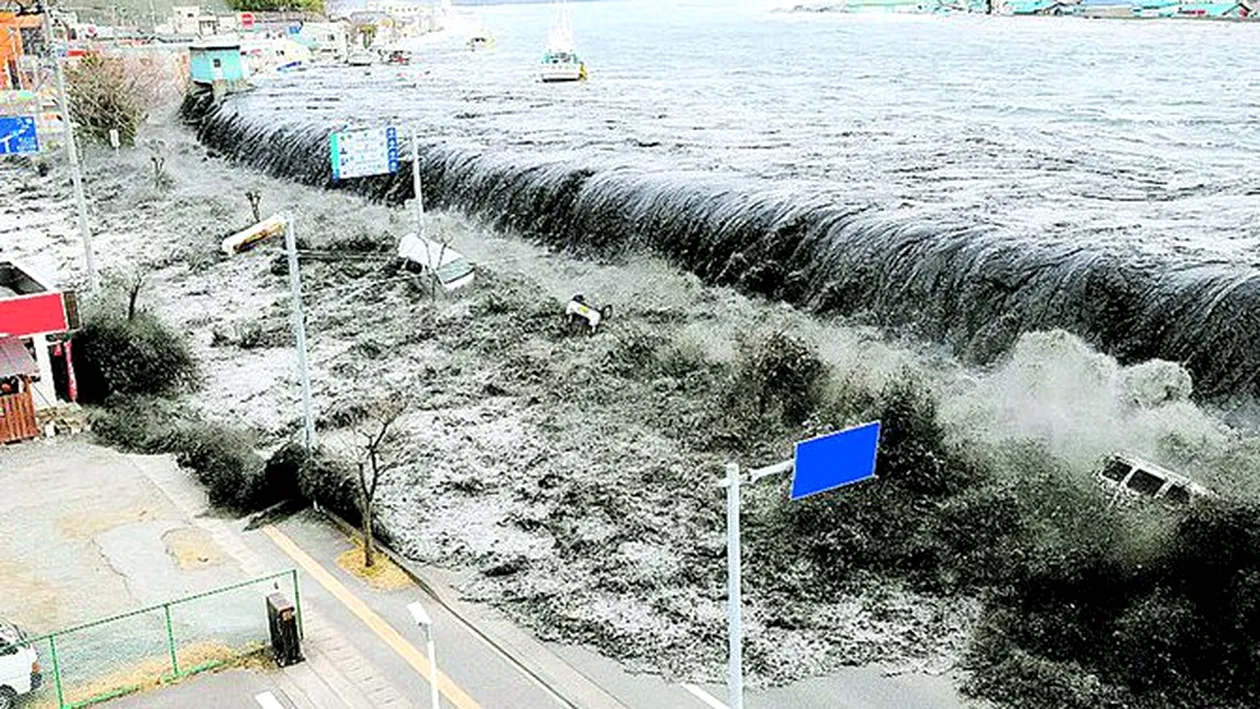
734	596
421	617
72	152
734	570
299	332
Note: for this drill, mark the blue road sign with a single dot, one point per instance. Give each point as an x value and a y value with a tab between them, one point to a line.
835	460
18	136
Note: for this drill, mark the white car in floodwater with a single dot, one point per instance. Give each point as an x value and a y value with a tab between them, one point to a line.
424	255
19	666
1130	478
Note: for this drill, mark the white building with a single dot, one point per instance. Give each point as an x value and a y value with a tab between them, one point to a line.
328	41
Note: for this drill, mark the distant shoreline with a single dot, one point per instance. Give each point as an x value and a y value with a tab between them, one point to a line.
886	8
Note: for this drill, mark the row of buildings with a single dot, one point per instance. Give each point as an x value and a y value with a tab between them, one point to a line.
1139	9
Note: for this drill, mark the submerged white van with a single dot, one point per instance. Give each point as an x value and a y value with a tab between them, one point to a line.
423	255
19	665
1131	478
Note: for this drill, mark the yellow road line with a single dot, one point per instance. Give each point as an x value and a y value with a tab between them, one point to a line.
377	624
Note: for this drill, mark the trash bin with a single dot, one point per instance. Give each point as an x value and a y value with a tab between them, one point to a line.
282	621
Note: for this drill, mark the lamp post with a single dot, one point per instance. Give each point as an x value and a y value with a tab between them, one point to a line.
76	172
243	241
421	617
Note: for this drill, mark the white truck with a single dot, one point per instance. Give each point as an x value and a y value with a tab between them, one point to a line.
19	665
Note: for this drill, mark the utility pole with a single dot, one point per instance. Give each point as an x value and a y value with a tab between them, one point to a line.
299	333
415	182
63	105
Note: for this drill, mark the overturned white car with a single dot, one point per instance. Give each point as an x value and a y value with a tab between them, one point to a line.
448	266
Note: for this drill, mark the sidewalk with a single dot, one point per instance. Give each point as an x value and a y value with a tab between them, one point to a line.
336	673
362	649
469	664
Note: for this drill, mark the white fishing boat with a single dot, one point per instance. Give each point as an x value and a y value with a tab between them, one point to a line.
560	62
360	57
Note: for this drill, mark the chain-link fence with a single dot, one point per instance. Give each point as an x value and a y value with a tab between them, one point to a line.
130	652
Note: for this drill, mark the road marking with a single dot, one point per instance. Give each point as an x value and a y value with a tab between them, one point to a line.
267	700
377	624
703	696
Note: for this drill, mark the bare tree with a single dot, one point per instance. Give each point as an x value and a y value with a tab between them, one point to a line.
135	281
255	199
129	282
379	453
157	156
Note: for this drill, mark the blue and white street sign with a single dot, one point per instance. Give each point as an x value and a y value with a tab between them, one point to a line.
18	135
359	153
821	464
835	460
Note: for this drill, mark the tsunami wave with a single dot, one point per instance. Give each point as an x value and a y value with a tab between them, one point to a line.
976	288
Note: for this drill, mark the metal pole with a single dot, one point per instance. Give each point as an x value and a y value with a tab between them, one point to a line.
297	603
433	672
734	599
52	650
415	182
170	641
63	105
299	332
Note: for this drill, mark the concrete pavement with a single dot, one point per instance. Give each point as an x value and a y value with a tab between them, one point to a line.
482	675
159	535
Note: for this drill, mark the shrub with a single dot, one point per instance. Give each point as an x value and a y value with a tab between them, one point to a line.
312	6
224	460
320	476
782	376
137	424
105	95
117	356
633	351
1010	676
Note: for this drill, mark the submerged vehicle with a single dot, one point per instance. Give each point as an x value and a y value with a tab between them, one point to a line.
448	266
560	62
19	665
1130	478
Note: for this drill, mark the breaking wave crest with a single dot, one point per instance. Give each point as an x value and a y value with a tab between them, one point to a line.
974	287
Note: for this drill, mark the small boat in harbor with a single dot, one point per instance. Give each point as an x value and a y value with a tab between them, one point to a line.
397	56
360	57
481	40
560	62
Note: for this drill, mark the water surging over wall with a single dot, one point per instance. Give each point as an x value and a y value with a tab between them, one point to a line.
973	287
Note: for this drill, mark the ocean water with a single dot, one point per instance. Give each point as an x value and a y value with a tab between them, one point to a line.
1140	135
974	177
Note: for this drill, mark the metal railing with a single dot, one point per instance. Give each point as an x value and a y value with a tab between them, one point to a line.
130	652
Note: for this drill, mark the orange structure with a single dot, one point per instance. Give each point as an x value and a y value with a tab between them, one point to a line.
11	45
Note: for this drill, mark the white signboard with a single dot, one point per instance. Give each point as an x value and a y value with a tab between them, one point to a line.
359	153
